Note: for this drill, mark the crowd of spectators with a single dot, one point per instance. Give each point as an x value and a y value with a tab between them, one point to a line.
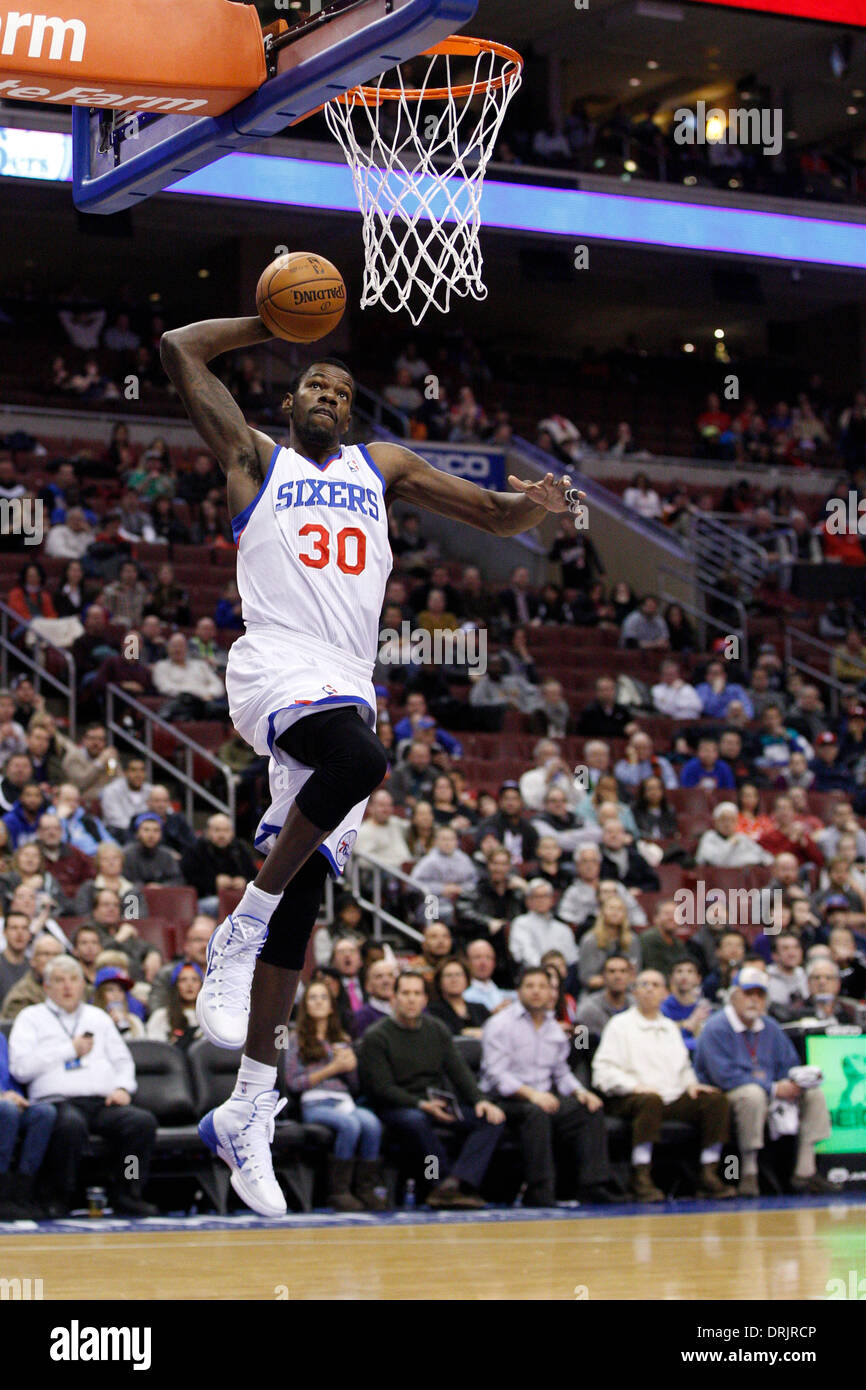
544	900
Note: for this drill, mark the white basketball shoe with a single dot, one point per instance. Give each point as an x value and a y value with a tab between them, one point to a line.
241	1135
223	1004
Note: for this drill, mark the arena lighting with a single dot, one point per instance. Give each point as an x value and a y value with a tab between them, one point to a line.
567	212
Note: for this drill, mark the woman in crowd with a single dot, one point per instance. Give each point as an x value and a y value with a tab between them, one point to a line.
109	874
28	867
168	600
640	497
622	601
211	529
450	981
112	995
167	525
176	1022
446	810
654	817
607	794
30	598
563	1004
322	1070
70	596
751	821
611	935
680	631
422	827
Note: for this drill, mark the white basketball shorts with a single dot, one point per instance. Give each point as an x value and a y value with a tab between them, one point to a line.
275	677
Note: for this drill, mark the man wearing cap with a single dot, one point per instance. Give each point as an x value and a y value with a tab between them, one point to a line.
146	860
71	1053
511	827
831	775
749	1058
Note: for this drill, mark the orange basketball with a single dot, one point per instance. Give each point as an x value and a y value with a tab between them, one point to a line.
301	297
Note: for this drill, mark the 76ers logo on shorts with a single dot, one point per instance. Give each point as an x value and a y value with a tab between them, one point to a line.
330	690
344	848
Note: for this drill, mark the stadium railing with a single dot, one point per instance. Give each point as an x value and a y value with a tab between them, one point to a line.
13	627
369	894
796	638
153	727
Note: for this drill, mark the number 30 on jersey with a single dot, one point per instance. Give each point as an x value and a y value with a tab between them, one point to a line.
351	548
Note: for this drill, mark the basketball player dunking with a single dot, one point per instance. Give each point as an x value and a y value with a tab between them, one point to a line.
313	559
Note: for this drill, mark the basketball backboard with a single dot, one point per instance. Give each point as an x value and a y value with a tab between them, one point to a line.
123	157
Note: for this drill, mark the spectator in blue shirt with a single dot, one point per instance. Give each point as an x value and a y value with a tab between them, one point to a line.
750	1058
23	820
685	1005
707	769
33	1124
716	693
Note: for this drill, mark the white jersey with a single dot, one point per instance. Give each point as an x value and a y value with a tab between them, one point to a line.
313	552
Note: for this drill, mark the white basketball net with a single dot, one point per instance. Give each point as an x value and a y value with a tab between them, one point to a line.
418	166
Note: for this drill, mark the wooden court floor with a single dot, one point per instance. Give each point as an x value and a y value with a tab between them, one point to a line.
744	1254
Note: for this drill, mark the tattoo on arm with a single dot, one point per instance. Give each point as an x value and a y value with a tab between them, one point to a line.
213	410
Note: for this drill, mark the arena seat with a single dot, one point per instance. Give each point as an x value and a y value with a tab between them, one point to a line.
176	903
159	932
298	1148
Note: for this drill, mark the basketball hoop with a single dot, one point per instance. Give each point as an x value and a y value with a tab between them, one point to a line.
419	174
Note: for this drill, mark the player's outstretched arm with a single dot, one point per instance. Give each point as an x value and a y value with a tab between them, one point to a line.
243	453
412	479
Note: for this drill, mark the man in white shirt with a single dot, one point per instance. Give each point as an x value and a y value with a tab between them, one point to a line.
71	539
126	797
675	697
178	675
727	848
550	770
382	835
642	1068
70	1053
481	959
537	931
446	870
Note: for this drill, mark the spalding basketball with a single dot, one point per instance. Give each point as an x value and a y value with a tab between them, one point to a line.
301	297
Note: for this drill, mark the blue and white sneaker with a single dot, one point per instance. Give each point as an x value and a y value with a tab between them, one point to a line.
222	1008
241	1135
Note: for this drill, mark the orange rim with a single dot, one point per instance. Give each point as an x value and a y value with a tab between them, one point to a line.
457	46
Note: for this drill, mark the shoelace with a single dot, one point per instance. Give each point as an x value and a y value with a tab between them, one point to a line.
257	1134
228	977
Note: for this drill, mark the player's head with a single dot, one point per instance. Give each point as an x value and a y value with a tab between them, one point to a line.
319	402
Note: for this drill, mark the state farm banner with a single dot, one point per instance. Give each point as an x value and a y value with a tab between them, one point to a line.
195	56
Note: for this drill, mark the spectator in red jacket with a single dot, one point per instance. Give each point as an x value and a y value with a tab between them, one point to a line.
788	836
30	598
